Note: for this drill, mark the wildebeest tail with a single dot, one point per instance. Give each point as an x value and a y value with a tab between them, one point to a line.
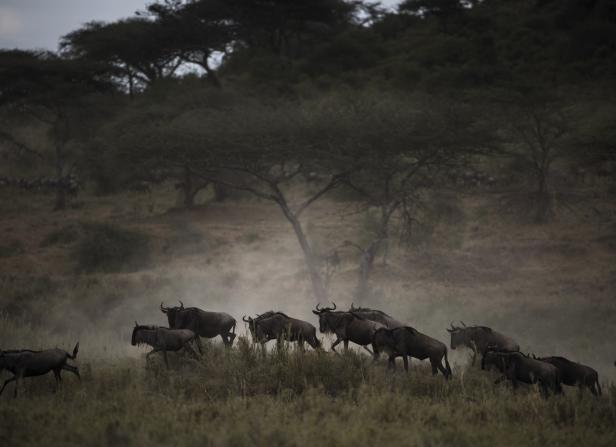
75	351
598	385
447	367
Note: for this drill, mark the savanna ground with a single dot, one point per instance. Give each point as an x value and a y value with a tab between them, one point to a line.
550	286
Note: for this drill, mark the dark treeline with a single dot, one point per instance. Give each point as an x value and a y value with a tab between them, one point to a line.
259	96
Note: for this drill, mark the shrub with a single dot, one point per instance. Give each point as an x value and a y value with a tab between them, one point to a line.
109	248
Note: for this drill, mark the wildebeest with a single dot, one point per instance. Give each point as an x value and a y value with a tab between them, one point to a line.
164	339
347	326
575	374
479	338
279	326
376	315
409	342
27	363
203	323
517	367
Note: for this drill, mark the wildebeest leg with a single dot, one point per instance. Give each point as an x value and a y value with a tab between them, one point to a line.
367	349
405	359
72	369
6	382
300	345
346	345
500	379
338	340
375	354
58	377
474	358
190	350
198	343
391	363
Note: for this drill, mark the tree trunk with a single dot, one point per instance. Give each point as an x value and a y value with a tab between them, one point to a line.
366	265
318	285
542	199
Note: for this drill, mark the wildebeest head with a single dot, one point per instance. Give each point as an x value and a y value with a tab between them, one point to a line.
383	339
141	334
460	335
171	313
251	325
327	318
494	358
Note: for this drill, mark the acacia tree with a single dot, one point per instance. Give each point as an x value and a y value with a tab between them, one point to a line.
137	51
539	133
264	150
41	86
402	147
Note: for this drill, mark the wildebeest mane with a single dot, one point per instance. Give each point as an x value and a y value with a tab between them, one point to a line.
17	351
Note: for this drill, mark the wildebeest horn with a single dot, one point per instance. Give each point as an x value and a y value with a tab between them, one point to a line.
136	324
244	319
352	306
334	305
163	309
462	322
181	304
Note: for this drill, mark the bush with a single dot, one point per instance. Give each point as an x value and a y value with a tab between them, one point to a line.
108	248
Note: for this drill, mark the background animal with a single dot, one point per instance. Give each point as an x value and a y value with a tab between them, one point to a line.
575	374
347	327
203	323
27	363
408	342
279	326
479	339
516	367
164	339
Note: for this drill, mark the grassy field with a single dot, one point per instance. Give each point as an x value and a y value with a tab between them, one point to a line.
551	287
294	398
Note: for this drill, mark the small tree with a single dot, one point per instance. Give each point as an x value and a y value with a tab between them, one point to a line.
54	92
539	134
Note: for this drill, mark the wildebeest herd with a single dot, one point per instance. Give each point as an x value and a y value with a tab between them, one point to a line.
374	330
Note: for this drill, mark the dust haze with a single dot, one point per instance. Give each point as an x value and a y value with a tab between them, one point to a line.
242	258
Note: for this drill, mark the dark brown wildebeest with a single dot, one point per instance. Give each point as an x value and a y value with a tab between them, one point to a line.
164	339
575	374
517	367
479	338
280	327
376	315
203	323
347	326
27	363
409	342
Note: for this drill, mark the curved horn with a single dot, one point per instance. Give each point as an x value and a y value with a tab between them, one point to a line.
244	319
352	306
317	307
136	324
163	309
181	304
462	322
334	305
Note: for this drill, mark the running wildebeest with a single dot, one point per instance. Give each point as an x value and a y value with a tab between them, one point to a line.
164	339
376	315
203	323
479	338
347	326
409	342
279	326
575	374
27	363
516	367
